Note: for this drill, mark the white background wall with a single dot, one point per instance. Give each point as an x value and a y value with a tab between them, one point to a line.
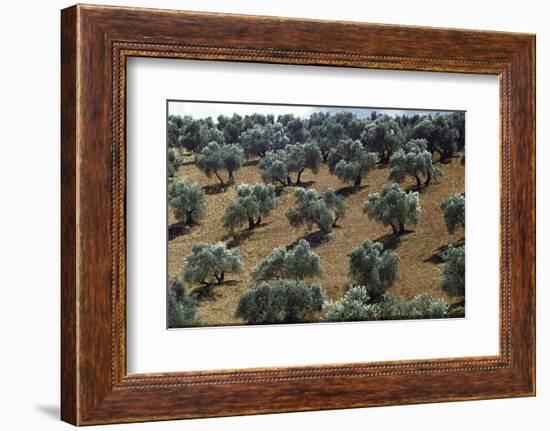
29	214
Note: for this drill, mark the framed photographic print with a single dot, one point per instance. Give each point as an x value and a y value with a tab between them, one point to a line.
265	214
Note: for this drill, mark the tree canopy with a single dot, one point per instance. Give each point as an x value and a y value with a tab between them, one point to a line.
252	202
373	267
280	301
454	213
383	136
413	160
181	307
210	261
314	209
187	202
214	158
392	206
350	161
297	263
454	271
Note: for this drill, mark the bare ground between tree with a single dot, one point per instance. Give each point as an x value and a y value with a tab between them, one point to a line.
419	272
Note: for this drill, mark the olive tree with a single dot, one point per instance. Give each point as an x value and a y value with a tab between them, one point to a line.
454	271
354	306
187	202
383	136
174	162
210	261
422	306
325	131
373	267
392	206
261	138
302	157
252	202
255	141
350	161
214	158
453	209
440	134
297	263
181	307
280	301
314	209
275	167
414	160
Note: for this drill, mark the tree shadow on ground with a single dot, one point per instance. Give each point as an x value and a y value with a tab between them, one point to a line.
438	255
214	189
252	162
315	239
347	191
205	292
237	238
391	241
177	229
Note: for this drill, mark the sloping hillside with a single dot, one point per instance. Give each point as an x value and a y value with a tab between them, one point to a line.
419	249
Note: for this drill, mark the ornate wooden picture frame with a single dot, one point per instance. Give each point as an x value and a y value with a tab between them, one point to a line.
96	41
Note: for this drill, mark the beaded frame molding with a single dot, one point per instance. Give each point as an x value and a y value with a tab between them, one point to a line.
95	43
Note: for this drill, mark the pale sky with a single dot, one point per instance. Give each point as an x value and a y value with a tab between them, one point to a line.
214	109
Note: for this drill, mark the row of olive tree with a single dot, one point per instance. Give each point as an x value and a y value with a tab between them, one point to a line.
379	133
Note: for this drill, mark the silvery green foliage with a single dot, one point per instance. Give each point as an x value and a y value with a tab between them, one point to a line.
280	301
261	138
454	271
313	209
256	141
302	157
174	162
440	134
394	207
251	203
325	131
350	161
413	160
383	136
211	261
182	309
187	202
274	167
354	306
373	267
297	263
422	306
454	212
214	158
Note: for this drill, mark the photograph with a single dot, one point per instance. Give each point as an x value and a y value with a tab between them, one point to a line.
284	214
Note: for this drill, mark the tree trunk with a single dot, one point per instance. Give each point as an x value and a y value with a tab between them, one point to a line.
190	217
251	223
298	180
325	157
231	177
335	221
259	220
394	228
288	180
428	178
357	182
220	278
401	228
418	182
219	178
282	182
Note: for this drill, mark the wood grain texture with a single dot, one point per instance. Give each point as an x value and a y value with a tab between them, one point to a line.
96	41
